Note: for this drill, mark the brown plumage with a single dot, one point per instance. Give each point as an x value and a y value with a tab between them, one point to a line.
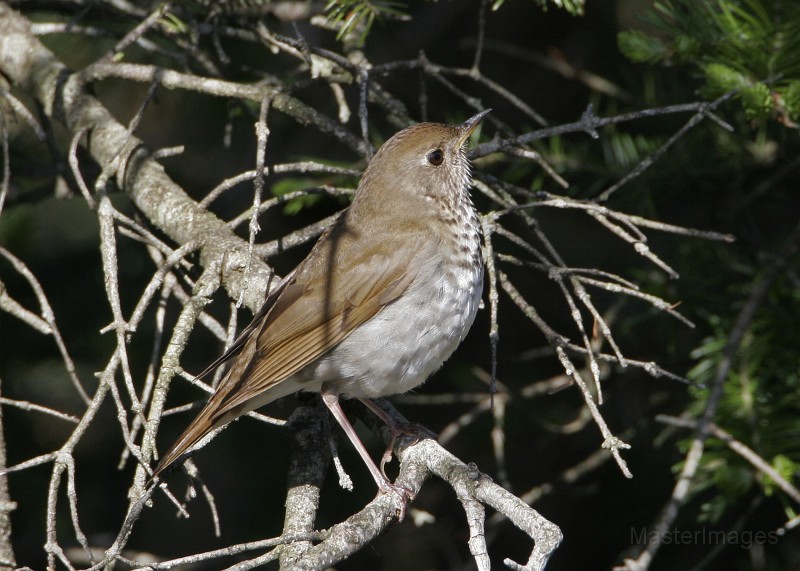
383	298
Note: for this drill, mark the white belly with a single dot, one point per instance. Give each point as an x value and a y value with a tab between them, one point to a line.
409	339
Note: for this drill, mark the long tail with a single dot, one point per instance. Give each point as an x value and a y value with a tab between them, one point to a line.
194	433
215	413
221	408
232	397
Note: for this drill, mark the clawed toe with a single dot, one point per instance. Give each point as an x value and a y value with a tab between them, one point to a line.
404	494
411	430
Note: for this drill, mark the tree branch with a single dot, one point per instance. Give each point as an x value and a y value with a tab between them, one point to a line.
7	560
35	69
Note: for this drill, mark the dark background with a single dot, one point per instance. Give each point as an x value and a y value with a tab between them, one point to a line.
705	181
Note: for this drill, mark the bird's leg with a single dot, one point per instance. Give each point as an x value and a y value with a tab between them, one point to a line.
388	421
397	429
331	400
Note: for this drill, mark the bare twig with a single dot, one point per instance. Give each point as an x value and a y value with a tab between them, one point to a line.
47	316
29	406
741	449
173	227
692	462
262	133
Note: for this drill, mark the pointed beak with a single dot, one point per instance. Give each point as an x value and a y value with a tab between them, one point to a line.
467	127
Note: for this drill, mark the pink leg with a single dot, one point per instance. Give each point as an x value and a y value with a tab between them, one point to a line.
388	421
331	400
379	412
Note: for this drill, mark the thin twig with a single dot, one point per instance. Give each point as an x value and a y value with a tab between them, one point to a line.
262	133
691	463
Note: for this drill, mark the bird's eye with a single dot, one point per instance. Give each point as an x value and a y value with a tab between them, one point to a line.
436	157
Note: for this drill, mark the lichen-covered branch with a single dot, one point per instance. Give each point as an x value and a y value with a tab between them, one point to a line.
63	97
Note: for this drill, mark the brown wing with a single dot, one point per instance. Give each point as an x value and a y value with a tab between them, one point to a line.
314	316
240	341
339	286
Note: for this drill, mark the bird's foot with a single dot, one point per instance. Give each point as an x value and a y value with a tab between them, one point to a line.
403	494
411	430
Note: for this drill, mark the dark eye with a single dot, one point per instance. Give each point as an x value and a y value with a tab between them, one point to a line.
436	157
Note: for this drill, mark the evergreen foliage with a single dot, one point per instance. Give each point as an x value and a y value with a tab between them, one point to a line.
751	46
735	171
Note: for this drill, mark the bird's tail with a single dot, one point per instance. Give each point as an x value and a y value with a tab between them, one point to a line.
200	427
221	408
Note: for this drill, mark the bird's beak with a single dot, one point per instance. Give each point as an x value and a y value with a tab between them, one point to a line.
467	127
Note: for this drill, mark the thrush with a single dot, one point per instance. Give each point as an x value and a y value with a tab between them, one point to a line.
384	297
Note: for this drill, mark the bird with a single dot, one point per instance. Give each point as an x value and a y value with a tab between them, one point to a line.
384	297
